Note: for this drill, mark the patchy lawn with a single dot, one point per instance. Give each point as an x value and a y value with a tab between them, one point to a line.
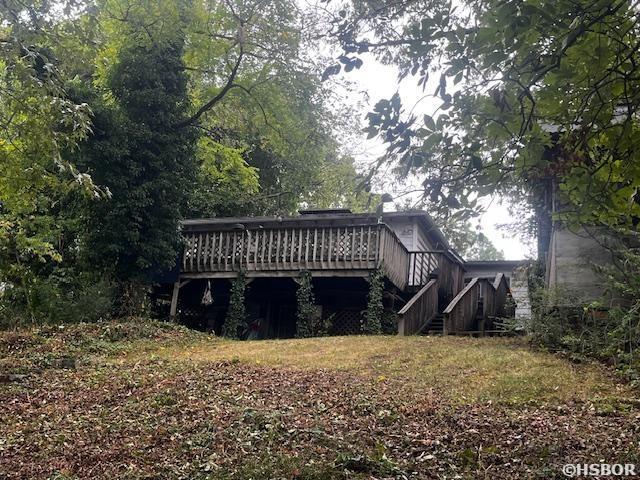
148	400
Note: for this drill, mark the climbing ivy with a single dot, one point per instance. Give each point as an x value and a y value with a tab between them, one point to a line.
305	312
372	322
236	319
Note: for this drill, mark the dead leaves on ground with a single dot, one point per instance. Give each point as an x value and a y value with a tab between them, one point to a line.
164	419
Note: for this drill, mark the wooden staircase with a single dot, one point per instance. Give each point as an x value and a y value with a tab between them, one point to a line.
471	310
435	326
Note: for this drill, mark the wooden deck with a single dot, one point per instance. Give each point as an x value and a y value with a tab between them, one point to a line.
336	246
272	251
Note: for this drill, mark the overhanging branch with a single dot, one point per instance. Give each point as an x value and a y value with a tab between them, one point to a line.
220	95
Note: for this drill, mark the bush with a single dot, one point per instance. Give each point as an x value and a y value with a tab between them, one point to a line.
56	299
565	323
389	322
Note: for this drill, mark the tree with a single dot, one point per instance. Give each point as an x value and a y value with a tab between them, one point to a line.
470	243
39	125
145	161
155	110
526	91
275	111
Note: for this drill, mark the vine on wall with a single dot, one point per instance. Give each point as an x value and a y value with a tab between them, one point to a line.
372	322
308	322
236	319
305	307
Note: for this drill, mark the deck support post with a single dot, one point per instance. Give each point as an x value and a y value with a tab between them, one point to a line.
173	310
174	301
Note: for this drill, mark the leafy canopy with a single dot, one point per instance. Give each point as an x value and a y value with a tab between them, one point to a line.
527	91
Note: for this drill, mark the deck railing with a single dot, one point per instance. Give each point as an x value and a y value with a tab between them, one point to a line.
422	265
288	249
426	265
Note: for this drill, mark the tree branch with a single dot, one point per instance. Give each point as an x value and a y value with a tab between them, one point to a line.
211	103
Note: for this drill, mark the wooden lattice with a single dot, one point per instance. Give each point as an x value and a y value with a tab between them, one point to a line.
347	322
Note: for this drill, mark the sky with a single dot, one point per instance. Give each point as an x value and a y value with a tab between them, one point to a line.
375	81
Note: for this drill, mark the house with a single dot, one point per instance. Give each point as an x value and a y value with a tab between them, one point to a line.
571	254
427	286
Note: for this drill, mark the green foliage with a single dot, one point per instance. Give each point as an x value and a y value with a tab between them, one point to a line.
38	124
555	311
145	161
470	243
64	297
389	322
308	322
225	183
483	249
120	118
372	322
236	320
278	114
527	91
563	322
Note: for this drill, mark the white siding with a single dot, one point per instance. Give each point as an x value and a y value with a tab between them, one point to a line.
405	229
571	259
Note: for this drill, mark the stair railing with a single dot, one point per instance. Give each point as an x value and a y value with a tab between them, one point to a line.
461	312
501	287
420	310
481	300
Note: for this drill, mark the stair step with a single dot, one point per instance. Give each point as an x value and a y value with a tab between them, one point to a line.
436	327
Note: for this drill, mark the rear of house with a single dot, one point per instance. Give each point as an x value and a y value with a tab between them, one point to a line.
426	286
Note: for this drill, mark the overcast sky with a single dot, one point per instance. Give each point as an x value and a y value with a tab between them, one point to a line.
376	81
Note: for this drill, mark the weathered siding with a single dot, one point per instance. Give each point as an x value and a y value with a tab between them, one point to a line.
405	229
411	234
570	262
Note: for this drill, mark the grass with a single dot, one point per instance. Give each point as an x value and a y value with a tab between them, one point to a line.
152	400
465	370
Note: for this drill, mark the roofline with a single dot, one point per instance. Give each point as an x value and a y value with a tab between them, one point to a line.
487	263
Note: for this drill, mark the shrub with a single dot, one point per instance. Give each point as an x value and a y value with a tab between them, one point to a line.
56	299
564	322
389	322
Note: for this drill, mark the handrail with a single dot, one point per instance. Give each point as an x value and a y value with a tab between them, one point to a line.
424	264
393	257
502	290
420	310
461	311
453	303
